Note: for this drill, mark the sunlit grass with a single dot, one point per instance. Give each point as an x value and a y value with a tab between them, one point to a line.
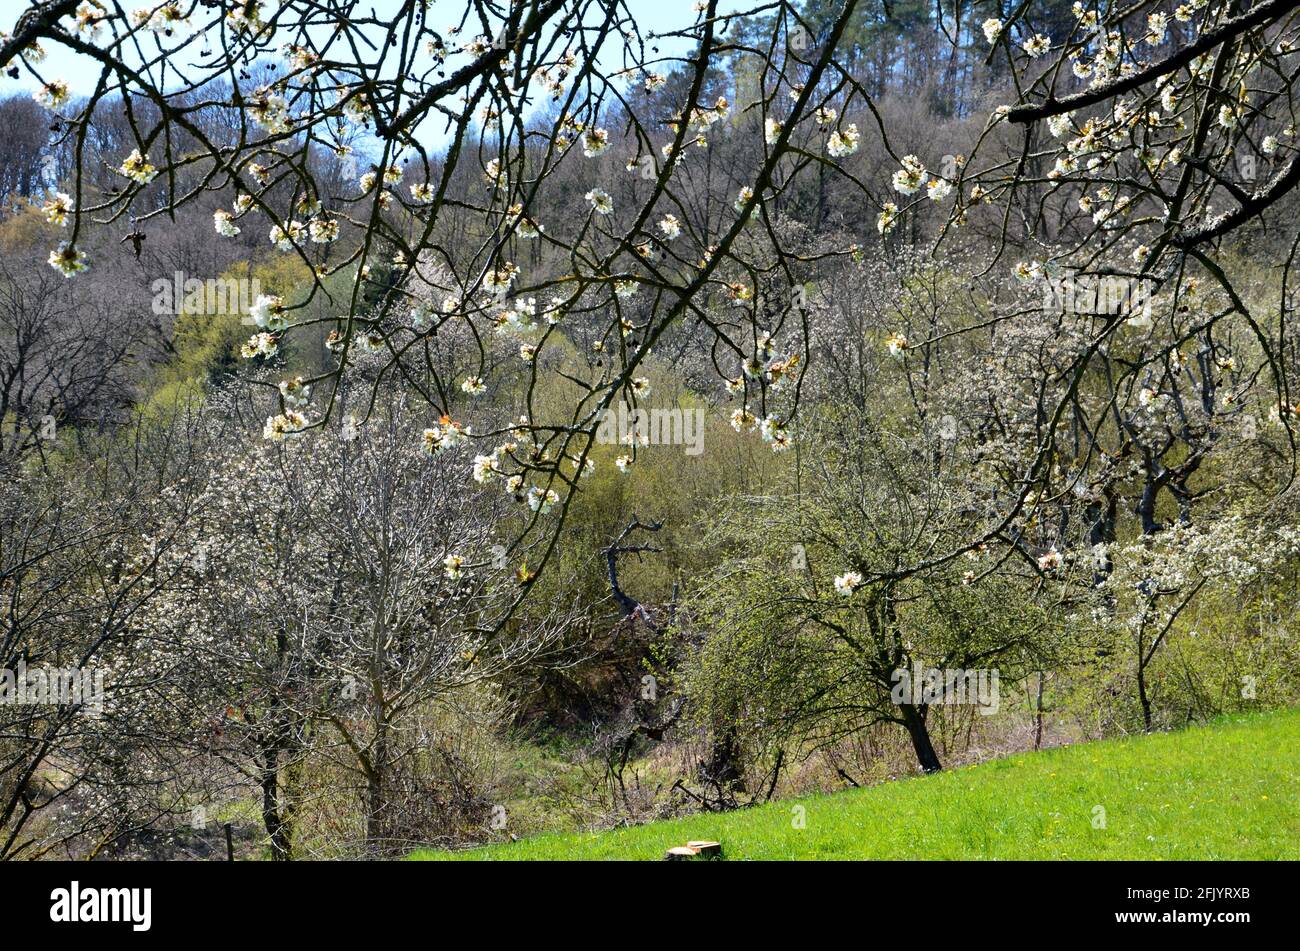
1229	790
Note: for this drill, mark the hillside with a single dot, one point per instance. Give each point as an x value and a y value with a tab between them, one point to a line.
1228	790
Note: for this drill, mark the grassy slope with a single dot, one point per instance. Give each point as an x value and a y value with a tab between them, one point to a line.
1229	790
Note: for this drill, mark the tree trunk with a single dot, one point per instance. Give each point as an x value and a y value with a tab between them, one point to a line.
914	720
1038	713
722	769
1142	695
376	792
277	829
374	812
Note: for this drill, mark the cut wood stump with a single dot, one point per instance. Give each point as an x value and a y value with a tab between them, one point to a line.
698	849
706	849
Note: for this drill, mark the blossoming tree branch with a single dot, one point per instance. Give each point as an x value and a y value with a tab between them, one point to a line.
516	192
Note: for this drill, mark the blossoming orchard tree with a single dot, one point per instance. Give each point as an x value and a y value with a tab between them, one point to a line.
554	208
77	774
324	603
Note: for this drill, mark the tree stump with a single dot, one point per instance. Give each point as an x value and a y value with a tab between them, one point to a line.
698	849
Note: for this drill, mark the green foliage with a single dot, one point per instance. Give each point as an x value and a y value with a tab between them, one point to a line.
786	654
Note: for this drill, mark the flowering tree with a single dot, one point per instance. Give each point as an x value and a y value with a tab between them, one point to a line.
835	592
1142	139
1156	581
336	589
77	775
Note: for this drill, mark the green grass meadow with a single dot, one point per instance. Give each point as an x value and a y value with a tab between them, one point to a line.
1226	790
